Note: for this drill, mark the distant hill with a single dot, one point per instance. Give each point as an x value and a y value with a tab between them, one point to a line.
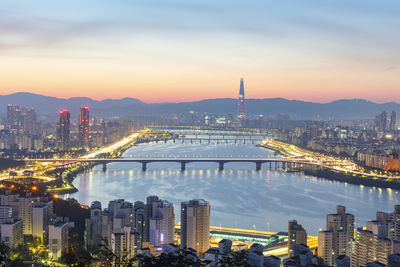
130	107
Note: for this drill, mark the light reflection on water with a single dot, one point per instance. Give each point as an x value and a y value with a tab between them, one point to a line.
239	195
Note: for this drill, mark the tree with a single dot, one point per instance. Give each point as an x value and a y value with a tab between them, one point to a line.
235	259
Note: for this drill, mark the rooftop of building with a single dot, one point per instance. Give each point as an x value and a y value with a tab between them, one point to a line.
60	224
196	202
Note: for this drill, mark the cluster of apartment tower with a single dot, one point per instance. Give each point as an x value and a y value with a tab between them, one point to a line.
149	228
32	216
132	228
376	244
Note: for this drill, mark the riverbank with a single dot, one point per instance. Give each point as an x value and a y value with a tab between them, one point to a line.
331	172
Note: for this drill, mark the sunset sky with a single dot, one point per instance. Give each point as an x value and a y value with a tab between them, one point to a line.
184	50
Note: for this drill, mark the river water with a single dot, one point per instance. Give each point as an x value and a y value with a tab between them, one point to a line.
239	196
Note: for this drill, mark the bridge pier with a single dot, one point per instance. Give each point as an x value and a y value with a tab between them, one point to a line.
183	166
270	165
221	166
258	166
144	166
104	166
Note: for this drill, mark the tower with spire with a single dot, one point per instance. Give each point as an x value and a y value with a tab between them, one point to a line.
241	103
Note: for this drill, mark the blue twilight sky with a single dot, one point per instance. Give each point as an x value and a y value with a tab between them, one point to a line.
317	50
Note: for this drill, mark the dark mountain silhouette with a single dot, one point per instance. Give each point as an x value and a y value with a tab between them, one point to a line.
131	107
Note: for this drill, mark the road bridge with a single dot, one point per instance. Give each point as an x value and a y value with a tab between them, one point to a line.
226	140
289	162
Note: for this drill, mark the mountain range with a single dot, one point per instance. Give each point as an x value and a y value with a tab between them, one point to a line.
132	107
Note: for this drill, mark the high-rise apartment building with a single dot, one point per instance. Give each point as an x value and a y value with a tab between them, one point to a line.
93	225
41	218
296	235
58	240
149	212
393	121
241	101
84	127
162	223
195	225
139	224
336	240
11	233
381	122
368	247
43	211
63	129
123	244
15	117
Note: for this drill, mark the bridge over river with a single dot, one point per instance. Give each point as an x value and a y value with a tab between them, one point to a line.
279	162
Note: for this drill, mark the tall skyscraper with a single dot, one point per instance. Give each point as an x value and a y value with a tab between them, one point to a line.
393	121
296	236
63	129
16	117
195	225
336	240
381	122
84	127
241	101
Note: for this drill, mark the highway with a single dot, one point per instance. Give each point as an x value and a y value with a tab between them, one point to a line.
329	162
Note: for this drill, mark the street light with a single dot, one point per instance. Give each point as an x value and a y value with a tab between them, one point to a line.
267	226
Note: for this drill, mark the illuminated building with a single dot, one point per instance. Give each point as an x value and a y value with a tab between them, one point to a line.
368	247
241	101
159	221
296	236
139	224
63	129
381	122
41	214
123	244
162	222
58	240
15	117
336	240
93	225
84	127
195	225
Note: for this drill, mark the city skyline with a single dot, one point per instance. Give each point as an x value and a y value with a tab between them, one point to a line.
309	51
200	133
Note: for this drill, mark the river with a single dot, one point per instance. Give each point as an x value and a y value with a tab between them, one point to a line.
239	195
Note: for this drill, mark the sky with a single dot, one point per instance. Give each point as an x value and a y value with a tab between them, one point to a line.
185	50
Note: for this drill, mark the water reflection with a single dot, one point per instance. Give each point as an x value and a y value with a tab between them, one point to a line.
239	196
